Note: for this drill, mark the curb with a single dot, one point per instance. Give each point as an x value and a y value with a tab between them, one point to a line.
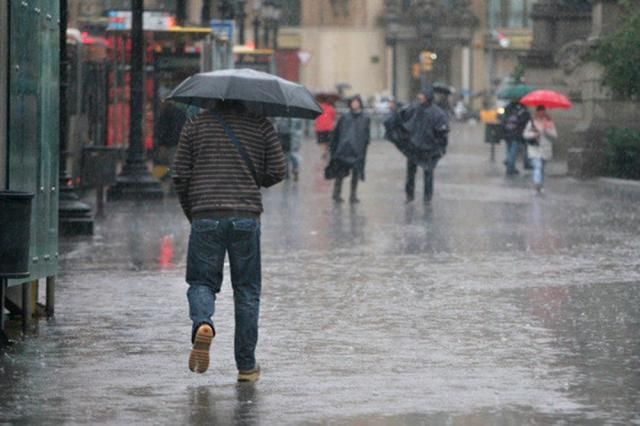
627	183
626	187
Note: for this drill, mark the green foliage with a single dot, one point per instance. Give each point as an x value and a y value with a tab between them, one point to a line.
619	53
623	153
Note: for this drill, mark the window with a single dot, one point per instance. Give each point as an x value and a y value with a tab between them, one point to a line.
510	13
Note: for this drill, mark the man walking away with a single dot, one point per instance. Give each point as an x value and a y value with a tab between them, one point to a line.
428	126
349	149
224	156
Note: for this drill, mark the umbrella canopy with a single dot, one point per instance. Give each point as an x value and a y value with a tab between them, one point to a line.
514	92
263	94
546	98
440	87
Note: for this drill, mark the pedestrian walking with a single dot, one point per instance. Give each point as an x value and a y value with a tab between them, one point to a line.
348	149
515	118
540	134
324	125
428	127
225	155
290	131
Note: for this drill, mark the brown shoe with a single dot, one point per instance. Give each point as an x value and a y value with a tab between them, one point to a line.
249	375
199	357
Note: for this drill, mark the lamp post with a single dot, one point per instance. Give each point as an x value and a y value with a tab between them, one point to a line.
257	4
240	17
392	40
205	13
135	181
277	13
267	15
74	215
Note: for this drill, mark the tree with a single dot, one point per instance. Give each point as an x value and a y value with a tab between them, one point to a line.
619	54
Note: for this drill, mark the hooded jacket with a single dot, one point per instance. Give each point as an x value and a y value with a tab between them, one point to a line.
350	140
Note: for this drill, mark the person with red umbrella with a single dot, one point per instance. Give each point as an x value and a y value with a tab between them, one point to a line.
540	134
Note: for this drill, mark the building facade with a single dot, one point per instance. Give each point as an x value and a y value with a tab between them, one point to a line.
343	43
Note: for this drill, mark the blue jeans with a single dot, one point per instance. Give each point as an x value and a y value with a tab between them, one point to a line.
513	147
538	170
209	242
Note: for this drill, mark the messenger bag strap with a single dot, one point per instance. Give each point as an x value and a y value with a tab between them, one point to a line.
243	152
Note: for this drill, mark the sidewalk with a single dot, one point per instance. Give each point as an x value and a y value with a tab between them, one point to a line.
490	305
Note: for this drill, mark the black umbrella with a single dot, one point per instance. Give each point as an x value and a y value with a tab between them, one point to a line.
263	94
441	87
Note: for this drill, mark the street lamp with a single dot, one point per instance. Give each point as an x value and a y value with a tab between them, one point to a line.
257	5
135	182
267	15
277	13
393	28
240	17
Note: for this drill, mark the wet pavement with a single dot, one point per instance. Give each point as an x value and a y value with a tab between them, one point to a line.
489	306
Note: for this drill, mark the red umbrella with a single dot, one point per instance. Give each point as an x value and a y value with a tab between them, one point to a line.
546	98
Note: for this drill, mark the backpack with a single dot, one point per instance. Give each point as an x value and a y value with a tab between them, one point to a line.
514	120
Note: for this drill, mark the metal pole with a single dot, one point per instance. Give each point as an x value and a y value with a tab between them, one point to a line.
267	30
74	215
3	293
394	69
181	11
136	102
27	311
240	16
51	296
135	181
64	84
256	31
276	26
205	16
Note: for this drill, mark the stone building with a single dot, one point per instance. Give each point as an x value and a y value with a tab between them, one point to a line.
343	43
564	31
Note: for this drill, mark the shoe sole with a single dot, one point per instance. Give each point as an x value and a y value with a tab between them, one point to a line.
199	357
251	376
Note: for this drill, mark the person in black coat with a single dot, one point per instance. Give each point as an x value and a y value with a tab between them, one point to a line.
428	127
349	149
513	121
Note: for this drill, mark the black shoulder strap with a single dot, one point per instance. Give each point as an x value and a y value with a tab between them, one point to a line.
239	147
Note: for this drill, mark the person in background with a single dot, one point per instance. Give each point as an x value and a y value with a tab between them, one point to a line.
290	131
540	134
324	125
349	149
429	134
515	118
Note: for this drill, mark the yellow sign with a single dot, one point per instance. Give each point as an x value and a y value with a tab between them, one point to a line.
426	59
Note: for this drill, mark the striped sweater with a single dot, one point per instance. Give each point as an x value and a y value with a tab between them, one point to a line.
209	174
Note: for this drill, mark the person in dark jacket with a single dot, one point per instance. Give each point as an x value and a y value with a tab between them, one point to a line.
428	128
513	121
219	191
349	149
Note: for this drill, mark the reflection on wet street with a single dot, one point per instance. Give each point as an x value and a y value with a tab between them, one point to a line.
489	306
